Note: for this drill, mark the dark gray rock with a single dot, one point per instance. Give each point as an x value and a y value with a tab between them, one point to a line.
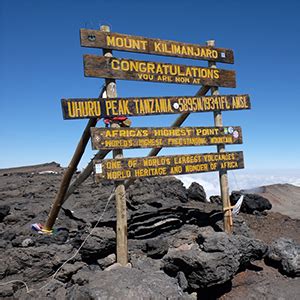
173	188
107	261
156	248
182	281
202	269
6	238
155	191
145	263
196	192
39	262
145	191
248	249
6	291
52	291
101	243
216	200
68	270
239	227
251	202
214	260
285	255
4	211
126	283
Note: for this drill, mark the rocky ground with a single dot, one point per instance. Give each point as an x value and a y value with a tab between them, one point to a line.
177	249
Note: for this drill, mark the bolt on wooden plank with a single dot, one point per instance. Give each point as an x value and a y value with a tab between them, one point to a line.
79	108
124	42
147	137
129	69
120	169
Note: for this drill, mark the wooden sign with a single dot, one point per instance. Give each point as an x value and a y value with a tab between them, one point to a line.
125	168
124	42
104	107
129	138
129	69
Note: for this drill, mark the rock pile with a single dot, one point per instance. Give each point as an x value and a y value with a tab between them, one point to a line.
176	243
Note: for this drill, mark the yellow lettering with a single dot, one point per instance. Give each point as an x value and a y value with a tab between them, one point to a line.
71	111
110	40
115	64
196	168
123	107
157	47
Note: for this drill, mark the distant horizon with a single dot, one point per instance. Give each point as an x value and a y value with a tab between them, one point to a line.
238	179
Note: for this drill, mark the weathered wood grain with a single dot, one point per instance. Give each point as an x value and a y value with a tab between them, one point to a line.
124	42
147	137
120	169
129	69
78	108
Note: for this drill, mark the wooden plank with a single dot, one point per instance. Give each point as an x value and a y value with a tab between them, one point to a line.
129	69
120	169
147	137
79	108
124	42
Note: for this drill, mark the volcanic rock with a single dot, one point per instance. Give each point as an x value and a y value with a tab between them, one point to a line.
251	202
101	243
124	283
161	217
285	254
196	192
4	211
214	259
216	200
107	261
155	191
156	248
39	262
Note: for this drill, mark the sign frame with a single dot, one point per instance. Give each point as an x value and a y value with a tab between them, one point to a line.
151	71
152	166
86	108
138	44
159	137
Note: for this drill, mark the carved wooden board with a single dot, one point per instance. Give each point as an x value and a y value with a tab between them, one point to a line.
124	42
146	137
103	107
129	69
121	169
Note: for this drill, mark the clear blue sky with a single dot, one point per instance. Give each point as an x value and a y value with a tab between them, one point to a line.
41	62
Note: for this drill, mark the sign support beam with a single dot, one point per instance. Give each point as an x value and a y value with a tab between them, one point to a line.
228	223
67	177
58	201
120	194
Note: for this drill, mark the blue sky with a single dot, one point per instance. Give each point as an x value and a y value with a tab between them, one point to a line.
41	62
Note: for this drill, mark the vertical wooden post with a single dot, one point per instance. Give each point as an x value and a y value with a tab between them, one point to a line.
223	177
120	194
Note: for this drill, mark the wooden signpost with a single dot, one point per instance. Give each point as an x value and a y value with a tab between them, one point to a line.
123	171
120	169
124	42
104	107
129	138
129	69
